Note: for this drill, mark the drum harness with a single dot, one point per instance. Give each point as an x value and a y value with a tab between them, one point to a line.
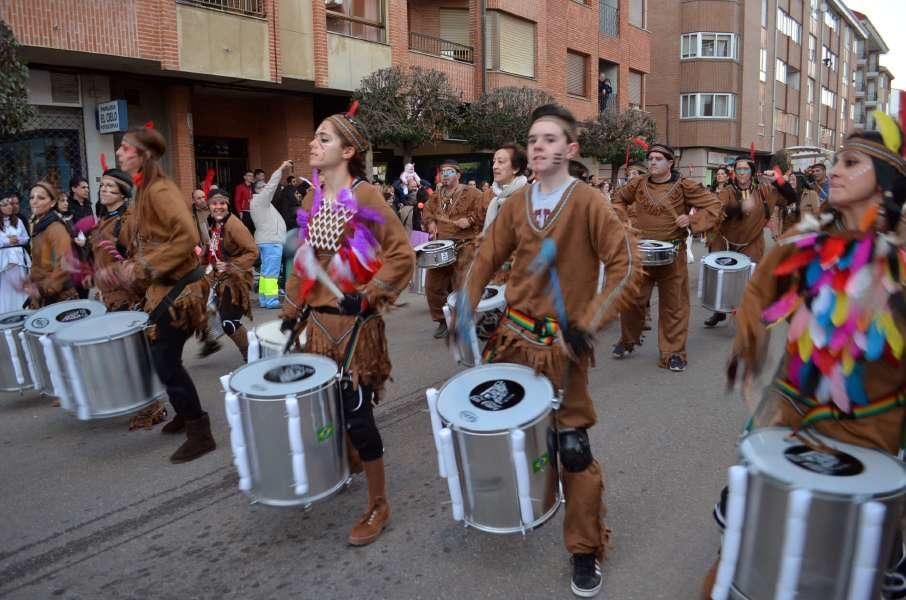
664	200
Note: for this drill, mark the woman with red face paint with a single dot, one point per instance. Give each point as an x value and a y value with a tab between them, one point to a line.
351	235
161	255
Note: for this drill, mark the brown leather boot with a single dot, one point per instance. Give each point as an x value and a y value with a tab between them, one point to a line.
372	523
241	339
199	440
176	425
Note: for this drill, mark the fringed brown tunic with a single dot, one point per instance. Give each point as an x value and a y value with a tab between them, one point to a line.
50	249
112	233
238	250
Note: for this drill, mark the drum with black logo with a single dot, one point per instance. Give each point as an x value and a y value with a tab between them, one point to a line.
491	425
15	375
43	358
287	429
487	315
434	254
656	253
808	517
107	366
722	279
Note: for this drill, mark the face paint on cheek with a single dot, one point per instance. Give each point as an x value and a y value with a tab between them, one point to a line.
858	172
557	159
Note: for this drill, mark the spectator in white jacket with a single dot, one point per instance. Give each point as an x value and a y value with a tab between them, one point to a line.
270	231
14	260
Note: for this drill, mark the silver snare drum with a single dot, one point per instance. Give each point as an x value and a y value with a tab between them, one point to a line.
656	253
15	372
802	522
266	341
490	427
487	315
41	353
287	430
434	254
722	279
108	366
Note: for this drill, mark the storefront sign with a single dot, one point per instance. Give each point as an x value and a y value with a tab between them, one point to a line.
112	117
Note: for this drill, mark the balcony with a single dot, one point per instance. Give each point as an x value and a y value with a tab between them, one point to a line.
426	44
609	22
247	8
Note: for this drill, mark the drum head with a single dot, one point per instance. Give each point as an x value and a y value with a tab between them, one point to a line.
434	246
103	327
281	376
493	298
854	471
494	397
728	261
51	319
655	245
14	320
270	332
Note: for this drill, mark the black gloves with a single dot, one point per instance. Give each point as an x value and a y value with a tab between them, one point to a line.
288	325
353	304
577	339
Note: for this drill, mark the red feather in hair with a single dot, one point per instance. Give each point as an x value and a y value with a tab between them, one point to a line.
104	166
641	143
352	109
208	182
752	151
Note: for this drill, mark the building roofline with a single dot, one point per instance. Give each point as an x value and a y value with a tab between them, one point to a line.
883	69
849	16
870	28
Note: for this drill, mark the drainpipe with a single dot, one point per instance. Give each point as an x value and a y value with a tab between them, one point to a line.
482	30
773	82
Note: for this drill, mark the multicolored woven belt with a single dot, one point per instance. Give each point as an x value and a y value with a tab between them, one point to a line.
544	331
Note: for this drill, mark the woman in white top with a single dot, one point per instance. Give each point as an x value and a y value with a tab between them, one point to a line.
509	168
14	259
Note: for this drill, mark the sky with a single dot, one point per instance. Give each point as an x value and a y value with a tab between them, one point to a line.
888	17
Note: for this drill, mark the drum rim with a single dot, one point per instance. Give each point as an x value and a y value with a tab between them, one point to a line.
65	305
497	432
745	265
558	500
666	247
61	336
445	244
297	356
499	299
821	491
21	324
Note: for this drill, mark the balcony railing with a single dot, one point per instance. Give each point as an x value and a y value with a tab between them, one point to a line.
440	47
248	8
613	104
609	22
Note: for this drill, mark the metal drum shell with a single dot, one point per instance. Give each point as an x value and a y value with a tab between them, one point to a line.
417	284
721	290
271	341
435	254
830	539
656	253
265	430
14	323
467	355
489	492
116	372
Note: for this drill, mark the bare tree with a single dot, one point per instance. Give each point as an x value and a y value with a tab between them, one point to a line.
405	108
615	138
500	116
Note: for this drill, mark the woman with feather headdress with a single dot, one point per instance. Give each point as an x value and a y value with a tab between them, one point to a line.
354	259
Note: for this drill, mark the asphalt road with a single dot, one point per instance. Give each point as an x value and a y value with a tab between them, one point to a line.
90	510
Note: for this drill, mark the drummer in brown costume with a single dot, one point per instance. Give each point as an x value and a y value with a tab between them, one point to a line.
747	206
161	253
662	200
332	220
586	231
51	249
454	212
230	255
854	258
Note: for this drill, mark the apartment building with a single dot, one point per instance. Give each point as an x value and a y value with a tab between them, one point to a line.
872	79
240	84
732	74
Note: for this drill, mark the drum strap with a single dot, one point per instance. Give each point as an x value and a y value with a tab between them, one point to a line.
163	307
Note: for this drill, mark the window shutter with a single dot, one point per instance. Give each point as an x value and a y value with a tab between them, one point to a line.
517	45
635	88
575	74
454	26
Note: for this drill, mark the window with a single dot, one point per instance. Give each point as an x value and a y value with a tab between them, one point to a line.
810	91
785	122
792	77
788	26
780	71
812	48
814	8
637	13
842	109
764	14
708	45
827	97
362	19
707	106
828	58
831	19
454	26
510	44
576	74
763	65
808	131
250	8
635	85
845	73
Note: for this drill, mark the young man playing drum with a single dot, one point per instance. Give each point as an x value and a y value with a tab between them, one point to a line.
662	200
586	231
455	212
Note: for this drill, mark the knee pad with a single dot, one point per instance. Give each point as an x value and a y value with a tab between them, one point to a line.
575	450
231	326
360	425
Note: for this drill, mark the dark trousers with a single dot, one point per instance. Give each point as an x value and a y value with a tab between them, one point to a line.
166	352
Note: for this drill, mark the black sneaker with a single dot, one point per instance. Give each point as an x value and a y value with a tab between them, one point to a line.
441	330
894	586
619	351
587	578
209	348
715	319
676	363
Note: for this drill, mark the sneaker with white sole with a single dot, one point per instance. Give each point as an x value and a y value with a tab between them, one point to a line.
587	578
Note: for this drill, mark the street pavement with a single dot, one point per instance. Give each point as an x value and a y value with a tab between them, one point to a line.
89	510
